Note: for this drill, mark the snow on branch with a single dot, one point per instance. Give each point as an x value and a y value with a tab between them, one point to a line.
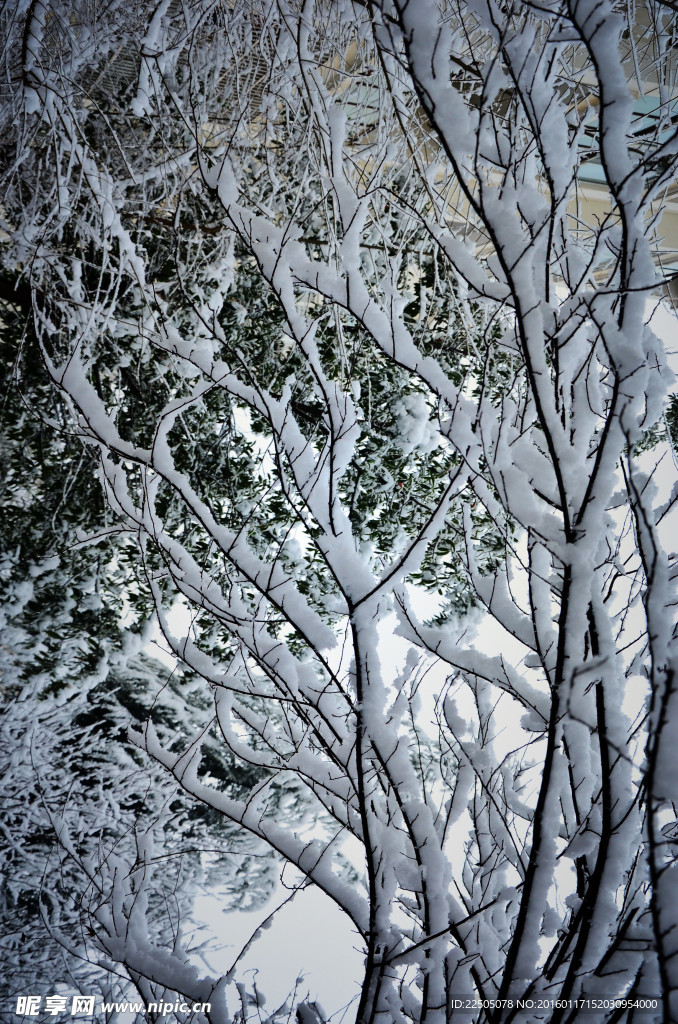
365	355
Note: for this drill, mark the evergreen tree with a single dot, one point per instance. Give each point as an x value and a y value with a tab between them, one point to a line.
77	795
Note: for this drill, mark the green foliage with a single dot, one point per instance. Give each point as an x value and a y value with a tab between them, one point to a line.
664	430
73	612
64	604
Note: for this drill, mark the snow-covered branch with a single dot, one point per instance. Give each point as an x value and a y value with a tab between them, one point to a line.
325	288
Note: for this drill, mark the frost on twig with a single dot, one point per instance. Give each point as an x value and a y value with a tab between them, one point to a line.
341	257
